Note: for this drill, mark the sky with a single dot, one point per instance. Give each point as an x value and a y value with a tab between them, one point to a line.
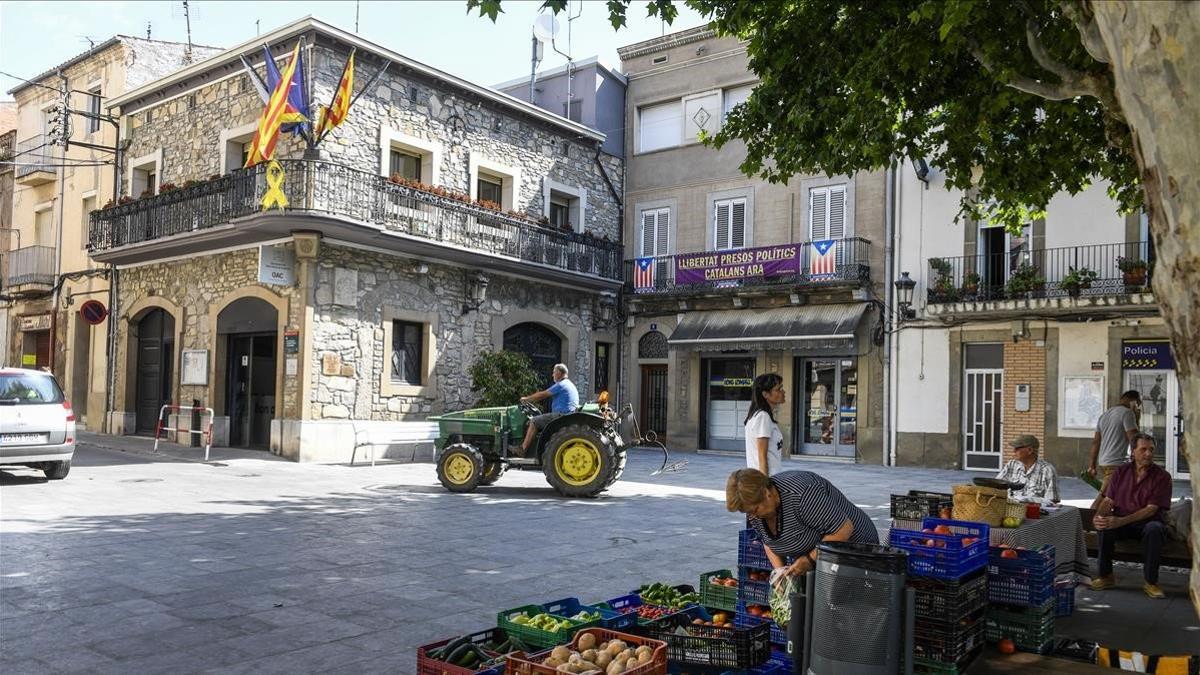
36	36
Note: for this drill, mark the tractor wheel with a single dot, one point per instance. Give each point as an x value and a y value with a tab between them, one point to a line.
460	468
492	470
579	461
622	458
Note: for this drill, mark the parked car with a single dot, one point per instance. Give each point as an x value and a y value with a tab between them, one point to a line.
37	425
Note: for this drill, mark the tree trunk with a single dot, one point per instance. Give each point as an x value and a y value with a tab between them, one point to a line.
1154	53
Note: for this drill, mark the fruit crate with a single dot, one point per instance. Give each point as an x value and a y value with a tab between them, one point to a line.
948	642
700	645
520	663
717	596
609	618
535	637
744	619
1030	628
1026	580
751	591
1064	598
939	668
943	556
428	665
942	598
750	551
918	504
631	605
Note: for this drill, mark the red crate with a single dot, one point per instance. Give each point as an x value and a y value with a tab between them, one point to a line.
519	663
427	665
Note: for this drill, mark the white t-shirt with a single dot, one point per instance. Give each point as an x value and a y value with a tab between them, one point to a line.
762	426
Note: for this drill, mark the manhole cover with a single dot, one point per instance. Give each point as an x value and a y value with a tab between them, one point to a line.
142	480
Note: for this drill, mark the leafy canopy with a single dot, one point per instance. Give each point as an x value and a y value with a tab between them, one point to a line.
502	378
1001	96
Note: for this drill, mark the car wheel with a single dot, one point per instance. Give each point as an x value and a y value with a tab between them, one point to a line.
57	470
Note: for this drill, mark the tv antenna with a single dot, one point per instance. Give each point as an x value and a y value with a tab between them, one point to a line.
545	29
187	18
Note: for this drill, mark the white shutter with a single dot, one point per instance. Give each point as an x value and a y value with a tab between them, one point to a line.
837	212
818	210
738	228
722	226
664	227
648	228
660	126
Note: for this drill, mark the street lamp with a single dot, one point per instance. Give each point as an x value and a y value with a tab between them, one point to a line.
476	292
904	295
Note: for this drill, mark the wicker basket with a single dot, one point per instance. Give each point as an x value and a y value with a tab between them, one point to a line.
978	504
1015	510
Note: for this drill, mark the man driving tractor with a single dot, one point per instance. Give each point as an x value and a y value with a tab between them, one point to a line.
564	398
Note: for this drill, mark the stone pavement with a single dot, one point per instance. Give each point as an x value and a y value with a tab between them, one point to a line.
142	563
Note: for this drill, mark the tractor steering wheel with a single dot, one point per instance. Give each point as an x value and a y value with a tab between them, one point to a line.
529	408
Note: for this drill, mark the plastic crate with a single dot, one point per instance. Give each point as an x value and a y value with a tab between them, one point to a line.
629	605
683	589
943	556
427	665
939	668
609	618
751	553
699	645
535	637
1064	598
1026	580
943	598
743	619
718	597
917	504
752	592
1030	628
948	642
520	663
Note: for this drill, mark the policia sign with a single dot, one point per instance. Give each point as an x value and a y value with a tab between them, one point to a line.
1147	355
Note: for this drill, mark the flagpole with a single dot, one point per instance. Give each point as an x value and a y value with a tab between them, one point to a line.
300	125
310	138
255	80
304	126
360	93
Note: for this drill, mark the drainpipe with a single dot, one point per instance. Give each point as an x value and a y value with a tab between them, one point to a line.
893	411
58	278
113	297
621	248
889	223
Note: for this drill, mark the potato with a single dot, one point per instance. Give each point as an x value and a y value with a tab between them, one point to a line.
627	654
552	662
586	642
616	647
644	649
588	655
567	668
562	653
615	668
574	658
603	658
586	666
644	657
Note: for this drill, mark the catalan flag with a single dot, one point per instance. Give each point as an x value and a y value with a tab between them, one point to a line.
295	112
263	146
824	258
330	117
643	275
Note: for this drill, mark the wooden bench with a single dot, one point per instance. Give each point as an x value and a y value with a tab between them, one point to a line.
1175	553
393	433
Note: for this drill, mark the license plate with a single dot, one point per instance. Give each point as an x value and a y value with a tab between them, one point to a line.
23	439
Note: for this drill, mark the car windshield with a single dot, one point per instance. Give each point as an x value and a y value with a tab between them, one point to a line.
28	389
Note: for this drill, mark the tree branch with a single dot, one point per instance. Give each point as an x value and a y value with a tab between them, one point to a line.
1043	58
1051	92
1089	32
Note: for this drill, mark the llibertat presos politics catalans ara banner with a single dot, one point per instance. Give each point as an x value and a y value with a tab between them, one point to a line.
746	263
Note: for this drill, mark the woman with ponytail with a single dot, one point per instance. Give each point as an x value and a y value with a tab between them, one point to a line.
764	441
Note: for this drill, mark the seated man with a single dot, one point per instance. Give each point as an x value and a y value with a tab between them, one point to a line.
1038	475
564	398
1131	506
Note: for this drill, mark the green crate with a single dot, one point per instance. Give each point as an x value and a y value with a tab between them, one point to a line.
1029	628
535	637
718	597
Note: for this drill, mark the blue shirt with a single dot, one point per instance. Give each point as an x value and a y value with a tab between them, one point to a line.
564	397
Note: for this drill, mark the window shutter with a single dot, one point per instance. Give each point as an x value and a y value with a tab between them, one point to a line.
818	214
739	224
648	233
664	227
722	226
837	212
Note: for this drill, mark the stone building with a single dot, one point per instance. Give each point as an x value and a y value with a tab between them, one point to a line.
728	277
47	272
367	297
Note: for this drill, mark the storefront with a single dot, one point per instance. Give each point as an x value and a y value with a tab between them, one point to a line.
1148	366
726	401
826	406
35	340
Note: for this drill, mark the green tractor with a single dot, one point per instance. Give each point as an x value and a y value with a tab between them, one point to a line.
581	453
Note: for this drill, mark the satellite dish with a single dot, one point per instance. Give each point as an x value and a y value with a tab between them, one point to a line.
545	28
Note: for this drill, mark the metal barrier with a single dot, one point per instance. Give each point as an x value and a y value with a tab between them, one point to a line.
206	433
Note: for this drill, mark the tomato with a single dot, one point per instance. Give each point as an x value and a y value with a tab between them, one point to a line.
731	583
754	610
1006	646
1009	553
942	529
967	541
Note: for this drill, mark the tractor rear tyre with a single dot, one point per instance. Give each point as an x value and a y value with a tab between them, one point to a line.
492	470
579	461
460	468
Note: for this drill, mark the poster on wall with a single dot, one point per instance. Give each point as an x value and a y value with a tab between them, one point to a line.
1083	401
194	367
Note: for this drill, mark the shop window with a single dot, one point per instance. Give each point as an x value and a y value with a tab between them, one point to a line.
407	349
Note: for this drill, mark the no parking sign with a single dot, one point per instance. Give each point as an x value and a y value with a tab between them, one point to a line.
93	312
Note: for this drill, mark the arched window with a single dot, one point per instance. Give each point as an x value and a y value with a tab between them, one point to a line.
653	345
542	345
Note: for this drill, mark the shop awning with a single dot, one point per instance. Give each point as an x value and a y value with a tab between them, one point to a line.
803	328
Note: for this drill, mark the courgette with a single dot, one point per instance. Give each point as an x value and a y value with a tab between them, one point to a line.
459	655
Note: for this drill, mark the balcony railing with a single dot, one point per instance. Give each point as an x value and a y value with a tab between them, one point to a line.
30	265
1072	271
846	260
325	188
33	155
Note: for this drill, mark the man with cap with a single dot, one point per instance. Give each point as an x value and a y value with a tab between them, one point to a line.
1038	475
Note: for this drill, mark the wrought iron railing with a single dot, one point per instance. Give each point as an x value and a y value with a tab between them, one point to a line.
848	261
333	189
30	265
32	155
1075	271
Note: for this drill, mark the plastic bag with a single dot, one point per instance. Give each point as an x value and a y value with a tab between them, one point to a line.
781	600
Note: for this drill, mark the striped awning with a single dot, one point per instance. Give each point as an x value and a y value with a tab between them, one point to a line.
802	328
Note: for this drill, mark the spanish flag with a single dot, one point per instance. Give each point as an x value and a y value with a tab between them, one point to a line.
335	114
263	146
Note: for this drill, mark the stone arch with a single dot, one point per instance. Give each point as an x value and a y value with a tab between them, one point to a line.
127	389
652	345
568	334
217	346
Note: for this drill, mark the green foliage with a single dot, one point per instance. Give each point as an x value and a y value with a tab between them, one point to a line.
1130	264
847	86
1025	279
941	266
1076	279
502	378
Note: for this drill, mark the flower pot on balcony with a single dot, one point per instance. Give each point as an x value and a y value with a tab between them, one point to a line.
1134	277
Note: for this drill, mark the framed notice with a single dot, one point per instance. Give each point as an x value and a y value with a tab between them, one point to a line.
1083	401
193	368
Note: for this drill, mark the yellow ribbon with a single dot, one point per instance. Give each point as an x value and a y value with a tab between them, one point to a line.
274	195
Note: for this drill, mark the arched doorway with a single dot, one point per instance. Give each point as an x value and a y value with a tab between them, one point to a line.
247	329
542	345
155	363
652	412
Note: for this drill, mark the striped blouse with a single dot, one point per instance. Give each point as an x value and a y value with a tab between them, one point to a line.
811	508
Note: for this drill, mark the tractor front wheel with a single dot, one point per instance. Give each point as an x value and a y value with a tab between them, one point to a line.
579	461
460	468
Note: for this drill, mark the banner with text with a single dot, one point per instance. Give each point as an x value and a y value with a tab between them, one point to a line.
746	263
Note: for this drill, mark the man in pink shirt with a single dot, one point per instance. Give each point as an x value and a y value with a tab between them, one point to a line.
1131	506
